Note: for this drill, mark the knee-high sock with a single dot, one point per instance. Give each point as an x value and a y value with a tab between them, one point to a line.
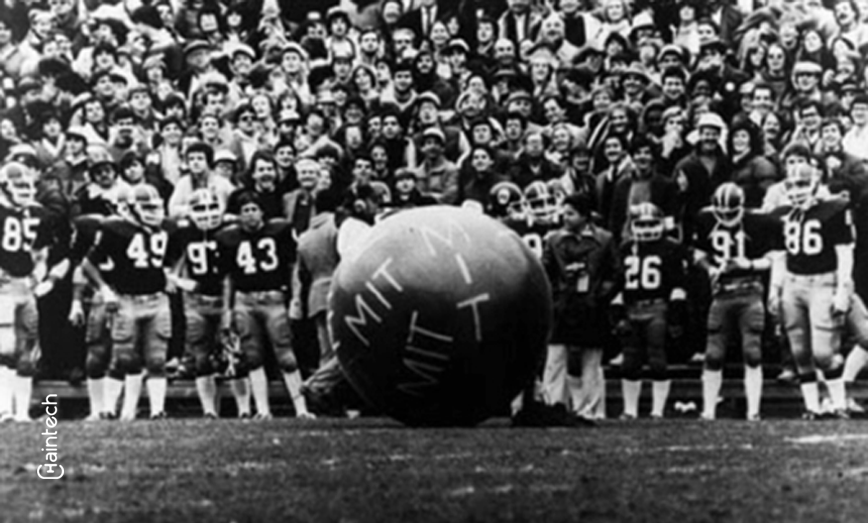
95	394
259	384
293	386
157	394
112	389
555	375
241	391
7	375
631	389
206	386
22	390
659	395
711	382
132	392
856	361
753	389
837	393
811	395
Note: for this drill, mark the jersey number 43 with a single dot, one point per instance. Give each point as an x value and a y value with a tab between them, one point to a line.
262	257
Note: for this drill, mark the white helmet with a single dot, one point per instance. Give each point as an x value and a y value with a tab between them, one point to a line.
206	209
146	205
801	184
727	204
646	222
17	183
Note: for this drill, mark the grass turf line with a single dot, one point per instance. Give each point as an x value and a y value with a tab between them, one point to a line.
375	470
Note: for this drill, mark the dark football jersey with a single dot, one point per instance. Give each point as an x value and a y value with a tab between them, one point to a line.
755	236
259	260
651	269
86	231
22	231
810	236
136	255
199	251
532	234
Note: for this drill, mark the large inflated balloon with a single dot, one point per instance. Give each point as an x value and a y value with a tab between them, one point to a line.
441	318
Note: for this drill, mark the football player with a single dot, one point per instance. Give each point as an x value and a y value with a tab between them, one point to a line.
733	245
541	211
24	240
651	302
193	254
812	285
256	259
102	199
134	245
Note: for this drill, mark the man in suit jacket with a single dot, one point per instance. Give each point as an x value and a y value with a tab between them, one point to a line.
422	19
519	22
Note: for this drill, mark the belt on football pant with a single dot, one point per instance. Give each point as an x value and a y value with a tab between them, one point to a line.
203	299
740	286
142	298
647	303
823	277
262	296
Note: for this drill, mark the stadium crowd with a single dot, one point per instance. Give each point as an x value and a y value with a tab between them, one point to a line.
190	145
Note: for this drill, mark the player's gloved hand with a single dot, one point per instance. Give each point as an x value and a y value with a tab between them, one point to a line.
676	316
76	314
110	299
774	303
622	328
714	276
295	312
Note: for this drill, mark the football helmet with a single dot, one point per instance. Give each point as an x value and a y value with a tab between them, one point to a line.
646	222
146	205
17	184
541	203
505	200
206	209
558	191
727	204
384	194
801	185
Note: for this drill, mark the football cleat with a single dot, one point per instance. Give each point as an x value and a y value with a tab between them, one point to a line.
727	204
854	407
206	209
646	222
263	416
159	416
627	417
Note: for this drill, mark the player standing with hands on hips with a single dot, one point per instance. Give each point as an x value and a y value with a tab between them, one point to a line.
256	259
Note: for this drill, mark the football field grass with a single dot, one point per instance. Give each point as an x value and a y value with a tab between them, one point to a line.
374	470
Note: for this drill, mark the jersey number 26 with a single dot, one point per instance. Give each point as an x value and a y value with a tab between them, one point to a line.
643	273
